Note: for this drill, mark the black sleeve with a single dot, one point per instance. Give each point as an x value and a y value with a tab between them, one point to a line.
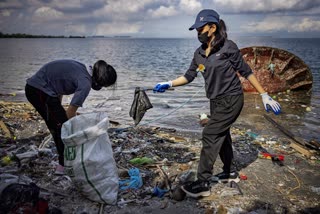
192	71
237	60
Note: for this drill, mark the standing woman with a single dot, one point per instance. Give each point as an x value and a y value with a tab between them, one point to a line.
44	90
218	59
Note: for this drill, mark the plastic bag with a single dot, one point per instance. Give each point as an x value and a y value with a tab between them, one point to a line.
140	105
135	181
88	157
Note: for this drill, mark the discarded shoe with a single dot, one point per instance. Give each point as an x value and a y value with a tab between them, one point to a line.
59	170
197	188
225	177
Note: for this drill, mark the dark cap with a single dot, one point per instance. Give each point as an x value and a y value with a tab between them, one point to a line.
204	17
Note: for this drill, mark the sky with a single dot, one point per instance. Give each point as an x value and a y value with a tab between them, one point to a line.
158	18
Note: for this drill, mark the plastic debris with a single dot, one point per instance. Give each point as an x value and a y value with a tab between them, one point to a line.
25	155
315	190
156	144
187	176
140	105
252	135
269	156
204	118
135	181
159	192
6	160
243	177
141	161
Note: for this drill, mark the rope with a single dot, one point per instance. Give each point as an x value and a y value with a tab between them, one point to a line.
174	110
163	116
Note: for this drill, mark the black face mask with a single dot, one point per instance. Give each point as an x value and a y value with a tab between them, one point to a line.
203	38
95	85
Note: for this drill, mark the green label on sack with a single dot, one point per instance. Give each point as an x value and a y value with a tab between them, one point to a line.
70	153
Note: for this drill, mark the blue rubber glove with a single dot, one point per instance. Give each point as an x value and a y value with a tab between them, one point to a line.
162	86
270	104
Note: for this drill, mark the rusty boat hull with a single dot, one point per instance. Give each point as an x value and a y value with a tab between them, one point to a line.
277	70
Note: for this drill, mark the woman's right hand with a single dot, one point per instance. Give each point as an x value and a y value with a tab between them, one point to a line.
162	86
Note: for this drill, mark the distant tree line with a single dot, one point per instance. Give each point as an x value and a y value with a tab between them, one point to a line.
23	35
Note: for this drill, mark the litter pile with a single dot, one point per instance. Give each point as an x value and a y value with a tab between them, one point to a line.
153	163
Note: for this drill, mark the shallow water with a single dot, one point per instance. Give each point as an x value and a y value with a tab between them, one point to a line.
143	63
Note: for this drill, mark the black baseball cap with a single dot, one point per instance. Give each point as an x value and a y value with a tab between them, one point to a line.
205	16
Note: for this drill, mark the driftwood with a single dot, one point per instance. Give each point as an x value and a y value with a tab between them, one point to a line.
165	176
301	149
5	129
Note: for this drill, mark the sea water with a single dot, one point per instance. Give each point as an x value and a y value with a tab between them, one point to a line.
143	62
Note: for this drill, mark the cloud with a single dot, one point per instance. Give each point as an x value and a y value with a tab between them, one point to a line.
123	7
123	10
11	4
75	29
47	13
191	7
145	17
5	12
163	11
76	6
284	23
307	25
270	6
117	28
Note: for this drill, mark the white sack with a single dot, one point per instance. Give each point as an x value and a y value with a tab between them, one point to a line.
88	157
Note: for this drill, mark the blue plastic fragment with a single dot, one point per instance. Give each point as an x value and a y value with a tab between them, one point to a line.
159	192
135	181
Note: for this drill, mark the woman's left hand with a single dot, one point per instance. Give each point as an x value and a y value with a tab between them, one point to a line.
270	104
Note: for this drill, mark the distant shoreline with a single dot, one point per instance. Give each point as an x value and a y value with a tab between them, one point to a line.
23	35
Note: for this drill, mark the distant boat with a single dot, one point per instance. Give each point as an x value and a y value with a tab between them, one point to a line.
276	69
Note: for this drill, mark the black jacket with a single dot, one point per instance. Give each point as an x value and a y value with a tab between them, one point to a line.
220	72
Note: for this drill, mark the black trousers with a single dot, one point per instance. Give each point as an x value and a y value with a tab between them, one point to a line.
52	112
216	138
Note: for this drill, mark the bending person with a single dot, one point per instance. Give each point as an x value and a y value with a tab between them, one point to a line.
44	90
